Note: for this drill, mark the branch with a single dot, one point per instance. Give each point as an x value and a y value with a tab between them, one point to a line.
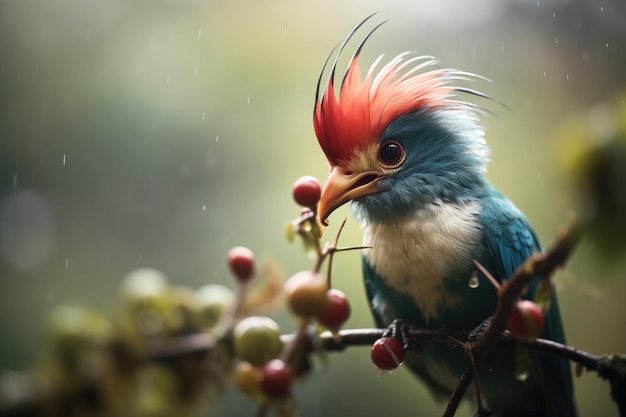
542	265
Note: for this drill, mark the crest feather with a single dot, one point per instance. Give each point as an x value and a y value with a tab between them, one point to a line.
357	116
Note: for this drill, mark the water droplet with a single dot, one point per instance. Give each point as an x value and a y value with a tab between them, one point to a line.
199	32
64	159
203	115
204	207
474	282
521	374
67	263
14	180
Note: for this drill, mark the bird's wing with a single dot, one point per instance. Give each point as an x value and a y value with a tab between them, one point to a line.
510	241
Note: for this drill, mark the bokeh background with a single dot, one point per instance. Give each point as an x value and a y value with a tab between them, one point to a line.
162	133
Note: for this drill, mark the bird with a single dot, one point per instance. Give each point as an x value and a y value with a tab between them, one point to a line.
405	147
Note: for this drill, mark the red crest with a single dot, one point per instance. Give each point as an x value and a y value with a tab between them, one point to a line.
357	116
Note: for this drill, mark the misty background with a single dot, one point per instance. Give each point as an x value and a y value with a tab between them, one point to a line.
162	133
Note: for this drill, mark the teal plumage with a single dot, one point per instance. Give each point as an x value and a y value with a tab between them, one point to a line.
411	158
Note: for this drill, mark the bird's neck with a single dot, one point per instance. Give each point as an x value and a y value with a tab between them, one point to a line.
417	254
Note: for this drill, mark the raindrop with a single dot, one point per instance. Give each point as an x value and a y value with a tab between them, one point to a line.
14	180
474	282
204	207
67	263
248	100
167	79
545	73
521	374
203	115
199	32
601	8
217	138
607	44
64	159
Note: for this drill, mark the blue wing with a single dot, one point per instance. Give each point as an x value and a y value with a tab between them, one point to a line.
510	240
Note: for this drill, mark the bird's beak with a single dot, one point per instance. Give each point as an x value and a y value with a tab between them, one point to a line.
343	186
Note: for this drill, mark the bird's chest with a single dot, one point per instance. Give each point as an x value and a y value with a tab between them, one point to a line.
419	257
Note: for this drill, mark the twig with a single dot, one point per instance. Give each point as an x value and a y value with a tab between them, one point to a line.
509	293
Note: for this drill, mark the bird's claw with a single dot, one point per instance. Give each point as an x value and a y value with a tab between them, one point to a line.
476	334
398	329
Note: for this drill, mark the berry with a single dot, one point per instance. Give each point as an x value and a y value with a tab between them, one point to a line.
256	339
247	379
145	286
306	294
387	353
276	379
338	311
525	322
307	191
212	301
241	263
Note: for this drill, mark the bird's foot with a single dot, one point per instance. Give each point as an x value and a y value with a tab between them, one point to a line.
398	329
476	334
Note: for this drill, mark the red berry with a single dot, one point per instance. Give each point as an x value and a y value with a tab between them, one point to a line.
241	263
276	379
387	353
525	322
338	311
307	191
306	294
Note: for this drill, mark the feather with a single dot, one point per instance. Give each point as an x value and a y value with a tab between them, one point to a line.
354	118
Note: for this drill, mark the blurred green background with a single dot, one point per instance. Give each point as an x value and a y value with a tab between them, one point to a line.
162	133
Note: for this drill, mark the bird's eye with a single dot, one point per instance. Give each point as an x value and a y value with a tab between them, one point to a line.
391	154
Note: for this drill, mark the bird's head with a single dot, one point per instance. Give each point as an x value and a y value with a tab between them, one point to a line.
398	139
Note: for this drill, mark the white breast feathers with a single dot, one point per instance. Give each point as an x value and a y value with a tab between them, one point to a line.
416	254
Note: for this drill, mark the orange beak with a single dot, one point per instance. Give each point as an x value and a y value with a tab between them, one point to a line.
343	186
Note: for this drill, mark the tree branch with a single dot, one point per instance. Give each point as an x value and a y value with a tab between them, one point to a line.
538	265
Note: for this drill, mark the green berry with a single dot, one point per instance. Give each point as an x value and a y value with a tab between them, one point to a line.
212	301
256	339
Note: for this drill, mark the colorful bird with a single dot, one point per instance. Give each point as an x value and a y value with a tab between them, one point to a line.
410	156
